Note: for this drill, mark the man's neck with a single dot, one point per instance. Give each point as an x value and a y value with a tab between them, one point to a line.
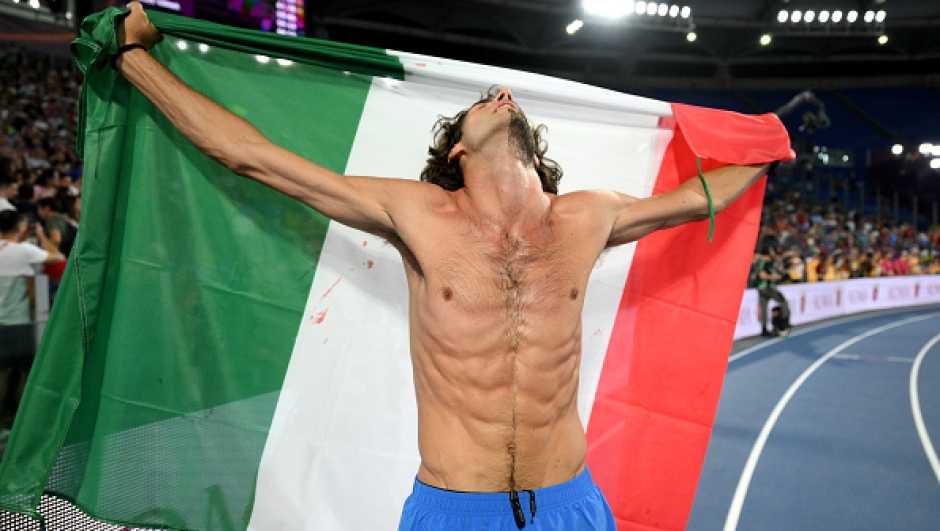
501	189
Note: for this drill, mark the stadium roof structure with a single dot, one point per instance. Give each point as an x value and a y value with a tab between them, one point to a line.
653	50
649	47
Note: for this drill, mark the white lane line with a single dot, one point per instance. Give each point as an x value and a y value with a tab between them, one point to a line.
737	502
915	408
869	357
798	333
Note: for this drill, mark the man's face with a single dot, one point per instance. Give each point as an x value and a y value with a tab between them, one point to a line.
486	117
491	116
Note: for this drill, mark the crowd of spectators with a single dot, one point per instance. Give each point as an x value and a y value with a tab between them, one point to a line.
40	199
812	242
40	174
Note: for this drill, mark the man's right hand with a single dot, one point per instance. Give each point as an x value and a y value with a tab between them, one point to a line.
137	29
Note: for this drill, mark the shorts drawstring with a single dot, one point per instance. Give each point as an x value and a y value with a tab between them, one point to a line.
517	507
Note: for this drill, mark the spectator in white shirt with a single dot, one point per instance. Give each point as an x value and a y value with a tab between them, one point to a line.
17	261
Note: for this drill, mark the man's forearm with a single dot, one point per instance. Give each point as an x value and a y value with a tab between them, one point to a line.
214	130
726	184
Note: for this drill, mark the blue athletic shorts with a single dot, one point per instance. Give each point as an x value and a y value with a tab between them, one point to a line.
574	505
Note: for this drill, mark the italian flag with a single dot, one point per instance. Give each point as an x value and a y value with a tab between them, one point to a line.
221	357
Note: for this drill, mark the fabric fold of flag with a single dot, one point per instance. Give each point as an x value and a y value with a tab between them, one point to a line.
221	357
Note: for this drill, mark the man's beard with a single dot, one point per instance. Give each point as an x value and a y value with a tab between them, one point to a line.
521	139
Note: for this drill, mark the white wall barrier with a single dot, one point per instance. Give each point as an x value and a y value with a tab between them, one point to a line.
821	300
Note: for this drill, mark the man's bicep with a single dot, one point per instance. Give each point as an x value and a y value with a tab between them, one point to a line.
386	203
358	202
635	218
638	217
621	217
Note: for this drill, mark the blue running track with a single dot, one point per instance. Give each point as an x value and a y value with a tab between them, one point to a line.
830	429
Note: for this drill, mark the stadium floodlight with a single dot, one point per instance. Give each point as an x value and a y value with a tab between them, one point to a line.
686	12
796	16
836	17
651	8
691	36
935	164
575	25
783	16
663	10
883	39
34	4
869	16
823	17
809	16
765	39
935	151
897	149
880	16
674	11
640	7
610	8
851	17
926	148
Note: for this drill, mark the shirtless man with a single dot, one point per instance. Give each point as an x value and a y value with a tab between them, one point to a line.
497	267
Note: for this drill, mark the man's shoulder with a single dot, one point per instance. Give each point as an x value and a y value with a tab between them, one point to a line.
590	201
435	198
409	188
412	204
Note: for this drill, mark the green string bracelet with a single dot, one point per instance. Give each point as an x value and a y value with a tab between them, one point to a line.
708	194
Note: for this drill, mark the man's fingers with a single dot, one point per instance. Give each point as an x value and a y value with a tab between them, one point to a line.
138	28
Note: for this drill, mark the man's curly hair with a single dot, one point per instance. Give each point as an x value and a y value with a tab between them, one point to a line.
448	132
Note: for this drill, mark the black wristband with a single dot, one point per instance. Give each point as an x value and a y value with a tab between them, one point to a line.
122	50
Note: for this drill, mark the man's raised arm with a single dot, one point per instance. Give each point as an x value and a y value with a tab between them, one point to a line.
359	202
634	218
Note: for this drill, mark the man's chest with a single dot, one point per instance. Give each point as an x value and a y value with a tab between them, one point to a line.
511	271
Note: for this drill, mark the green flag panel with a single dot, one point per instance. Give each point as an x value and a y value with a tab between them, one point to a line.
174	323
